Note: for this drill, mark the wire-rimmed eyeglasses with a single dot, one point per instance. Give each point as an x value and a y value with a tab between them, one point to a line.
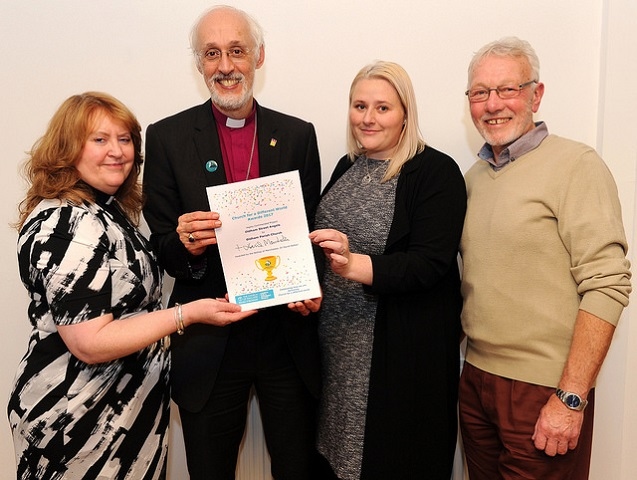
481	94
235	54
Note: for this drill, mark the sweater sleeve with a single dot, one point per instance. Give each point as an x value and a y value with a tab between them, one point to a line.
590	225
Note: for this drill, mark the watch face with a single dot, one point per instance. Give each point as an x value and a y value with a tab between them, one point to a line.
573	401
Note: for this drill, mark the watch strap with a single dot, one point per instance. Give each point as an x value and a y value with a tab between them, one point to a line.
571	400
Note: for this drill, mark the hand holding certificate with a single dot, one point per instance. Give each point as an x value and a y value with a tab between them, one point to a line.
263	241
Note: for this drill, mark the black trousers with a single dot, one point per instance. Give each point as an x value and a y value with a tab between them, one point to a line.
256	356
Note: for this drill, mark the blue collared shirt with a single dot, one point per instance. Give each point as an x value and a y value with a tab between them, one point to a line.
522	145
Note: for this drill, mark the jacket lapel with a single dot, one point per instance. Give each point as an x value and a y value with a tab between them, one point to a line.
400	222
269	137
206	139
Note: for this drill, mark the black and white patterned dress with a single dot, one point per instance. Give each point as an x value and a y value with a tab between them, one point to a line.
71	420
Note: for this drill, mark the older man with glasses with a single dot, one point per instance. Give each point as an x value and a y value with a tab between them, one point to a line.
545	279
231	138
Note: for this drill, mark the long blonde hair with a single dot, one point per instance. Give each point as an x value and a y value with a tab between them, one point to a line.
50	168
411	141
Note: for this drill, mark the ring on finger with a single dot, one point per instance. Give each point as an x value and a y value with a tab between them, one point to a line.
191	238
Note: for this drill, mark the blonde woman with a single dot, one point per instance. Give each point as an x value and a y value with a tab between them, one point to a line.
389	221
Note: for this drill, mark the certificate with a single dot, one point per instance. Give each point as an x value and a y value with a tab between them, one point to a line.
263	241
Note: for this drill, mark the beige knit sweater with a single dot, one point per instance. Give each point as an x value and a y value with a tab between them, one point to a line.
543	237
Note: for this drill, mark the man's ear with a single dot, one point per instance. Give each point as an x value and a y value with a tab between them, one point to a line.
538	93
261	58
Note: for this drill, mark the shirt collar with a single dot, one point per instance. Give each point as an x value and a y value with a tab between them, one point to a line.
527	142
226	122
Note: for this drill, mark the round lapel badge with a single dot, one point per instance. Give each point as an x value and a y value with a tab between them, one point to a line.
211	166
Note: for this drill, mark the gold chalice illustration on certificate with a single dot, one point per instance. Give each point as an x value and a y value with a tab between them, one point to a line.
267	264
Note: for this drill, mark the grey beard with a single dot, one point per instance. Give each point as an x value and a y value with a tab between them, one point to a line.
226	102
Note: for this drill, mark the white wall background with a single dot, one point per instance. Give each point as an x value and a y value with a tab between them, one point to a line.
138	51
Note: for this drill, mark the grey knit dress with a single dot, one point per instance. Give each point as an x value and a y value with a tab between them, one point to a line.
362	208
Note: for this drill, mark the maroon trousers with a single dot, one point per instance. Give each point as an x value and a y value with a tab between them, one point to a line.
497	421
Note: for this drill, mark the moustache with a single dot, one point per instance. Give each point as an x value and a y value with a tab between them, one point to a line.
220	77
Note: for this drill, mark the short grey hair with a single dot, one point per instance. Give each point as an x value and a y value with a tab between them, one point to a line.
256	32
507	47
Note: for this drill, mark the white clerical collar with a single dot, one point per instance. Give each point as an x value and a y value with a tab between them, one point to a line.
235	123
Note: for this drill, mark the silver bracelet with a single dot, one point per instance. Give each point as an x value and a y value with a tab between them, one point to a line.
179	319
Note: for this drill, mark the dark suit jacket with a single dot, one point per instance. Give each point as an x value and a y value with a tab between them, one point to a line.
410	431
175	181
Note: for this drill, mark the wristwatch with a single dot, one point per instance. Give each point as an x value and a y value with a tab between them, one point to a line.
571	400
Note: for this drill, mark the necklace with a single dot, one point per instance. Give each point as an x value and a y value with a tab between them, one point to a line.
367	178
254	140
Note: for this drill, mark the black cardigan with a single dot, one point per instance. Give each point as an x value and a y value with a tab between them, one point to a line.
411	425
